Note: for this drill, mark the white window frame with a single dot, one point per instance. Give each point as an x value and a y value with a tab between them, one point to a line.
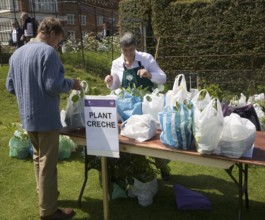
5	27
8	5
44	5
100	20
70	19
82	19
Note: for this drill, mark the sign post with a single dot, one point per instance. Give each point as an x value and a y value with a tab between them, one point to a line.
102	135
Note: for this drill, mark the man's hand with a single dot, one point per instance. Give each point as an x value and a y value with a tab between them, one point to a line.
77	85
144	73
109	80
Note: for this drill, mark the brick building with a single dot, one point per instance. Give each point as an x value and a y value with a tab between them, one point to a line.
77	16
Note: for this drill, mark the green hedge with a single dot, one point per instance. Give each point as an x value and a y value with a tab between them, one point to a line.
221	40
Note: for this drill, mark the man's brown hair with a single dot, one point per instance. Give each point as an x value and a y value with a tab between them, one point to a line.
50	24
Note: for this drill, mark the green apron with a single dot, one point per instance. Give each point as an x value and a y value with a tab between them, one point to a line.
130	78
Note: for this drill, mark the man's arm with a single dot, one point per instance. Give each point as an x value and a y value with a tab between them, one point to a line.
53	77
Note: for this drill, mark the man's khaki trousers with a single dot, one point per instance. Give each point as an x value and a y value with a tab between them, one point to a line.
45	157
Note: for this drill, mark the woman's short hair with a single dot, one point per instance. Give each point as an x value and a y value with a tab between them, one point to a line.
50	24
15	23
127	39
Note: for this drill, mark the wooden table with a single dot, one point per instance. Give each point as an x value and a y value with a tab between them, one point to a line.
155	148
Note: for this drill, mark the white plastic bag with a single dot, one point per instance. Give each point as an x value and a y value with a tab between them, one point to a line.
139	127
258	110
179	92
201	102
143	191
74	116
256	97
238	136
242	101
193	92
153	103
260	114
62	116
208	127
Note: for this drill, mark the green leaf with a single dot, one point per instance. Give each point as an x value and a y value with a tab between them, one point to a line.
75	98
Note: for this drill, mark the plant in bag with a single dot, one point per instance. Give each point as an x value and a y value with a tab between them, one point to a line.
201	100
74	115
139	127
179	91
153	104
128	171
19	143
66	147
237	137
208	127
129	101
262	123
177	125
238	102
135	91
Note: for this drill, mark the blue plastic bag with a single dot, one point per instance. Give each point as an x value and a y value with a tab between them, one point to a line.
177	126
128	105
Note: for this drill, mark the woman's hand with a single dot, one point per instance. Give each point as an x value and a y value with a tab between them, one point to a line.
144	73
109	80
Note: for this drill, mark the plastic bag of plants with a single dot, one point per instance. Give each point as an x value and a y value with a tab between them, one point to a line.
19	145
144	191
177	125
66	147
74	113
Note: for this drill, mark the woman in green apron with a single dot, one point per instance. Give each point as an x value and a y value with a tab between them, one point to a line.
134	68
131	78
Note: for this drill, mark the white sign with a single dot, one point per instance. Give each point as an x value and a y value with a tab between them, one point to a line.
102	135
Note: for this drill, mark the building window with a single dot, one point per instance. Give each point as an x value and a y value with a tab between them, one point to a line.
8	4
99	20
84	34
71	35
70	19
5	27
112	20
44	5
82	19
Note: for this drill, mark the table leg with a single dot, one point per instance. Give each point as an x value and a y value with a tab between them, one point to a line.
85	180
240	189
105	187
246	186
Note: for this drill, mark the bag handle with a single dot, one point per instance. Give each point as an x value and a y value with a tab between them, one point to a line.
156	91
205	97
215	102
84	85
180	81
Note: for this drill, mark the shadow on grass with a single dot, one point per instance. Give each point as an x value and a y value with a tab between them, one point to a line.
222	194
90	208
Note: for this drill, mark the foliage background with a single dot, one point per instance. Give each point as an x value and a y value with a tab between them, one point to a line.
221	41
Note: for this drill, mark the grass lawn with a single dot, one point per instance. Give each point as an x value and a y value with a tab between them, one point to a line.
18	198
